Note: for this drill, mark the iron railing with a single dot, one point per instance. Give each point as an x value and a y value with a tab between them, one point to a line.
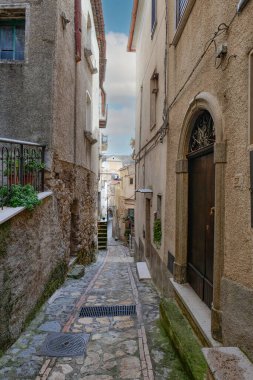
181	6
22	163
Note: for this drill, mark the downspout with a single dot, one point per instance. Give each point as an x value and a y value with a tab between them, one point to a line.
241	5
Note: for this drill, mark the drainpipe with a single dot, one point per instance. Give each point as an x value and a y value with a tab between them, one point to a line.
241	5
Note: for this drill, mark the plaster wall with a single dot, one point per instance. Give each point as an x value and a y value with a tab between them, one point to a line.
26	88
151	170
229	84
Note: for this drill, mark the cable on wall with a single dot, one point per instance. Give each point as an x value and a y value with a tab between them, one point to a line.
162	132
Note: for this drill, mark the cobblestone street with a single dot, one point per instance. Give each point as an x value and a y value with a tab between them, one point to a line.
127	347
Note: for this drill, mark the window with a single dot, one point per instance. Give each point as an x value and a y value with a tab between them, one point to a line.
159	207
78	29
12	39
88	113
88	34
181	6
131	181
153	17
153	98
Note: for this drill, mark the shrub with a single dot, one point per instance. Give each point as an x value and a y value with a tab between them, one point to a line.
19	196
157	232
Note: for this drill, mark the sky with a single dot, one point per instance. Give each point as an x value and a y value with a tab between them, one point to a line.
120	77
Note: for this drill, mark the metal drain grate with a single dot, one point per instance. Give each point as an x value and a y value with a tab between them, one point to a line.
64	344
108	311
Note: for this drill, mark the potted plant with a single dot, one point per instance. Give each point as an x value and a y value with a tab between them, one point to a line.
12	171
31	168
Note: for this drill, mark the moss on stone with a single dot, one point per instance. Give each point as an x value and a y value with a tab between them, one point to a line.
86	257
56	279
183	339
170	359
4	235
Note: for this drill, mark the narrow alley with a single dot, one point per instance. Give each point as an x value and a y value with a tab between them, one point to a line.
120	347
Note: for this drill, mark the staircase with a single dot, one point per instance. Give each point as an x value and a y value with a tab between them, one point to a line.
102	235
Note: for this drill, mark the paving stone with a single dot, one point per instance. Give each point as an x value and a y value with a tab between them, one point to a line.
113	349
65	368
52	326
85	321
57	376
107	357
97	377
130	368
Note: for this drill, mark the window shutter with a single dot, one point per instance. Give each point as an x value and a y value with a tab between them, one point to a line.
78	29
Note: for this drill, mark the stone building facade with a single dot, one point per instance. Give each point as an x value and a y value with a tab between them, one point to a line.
148	39
207	225
53	94
52	69
125	203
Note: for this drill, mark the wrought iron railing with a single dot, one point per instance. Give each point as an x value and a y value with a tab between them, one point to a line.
181	6
21	163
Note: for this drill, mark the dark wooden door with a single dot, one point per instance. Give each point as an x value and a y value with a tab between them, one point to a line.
147	233
201	224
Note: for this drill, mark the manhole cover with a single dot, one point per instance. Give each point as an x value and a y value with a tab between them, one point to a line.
64	344
108	311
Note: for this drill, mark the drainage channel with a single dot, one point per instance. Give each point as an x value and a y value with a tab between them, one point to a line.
108	311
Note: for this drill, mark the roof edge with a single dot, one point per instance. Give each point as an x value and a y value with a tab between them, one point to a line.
132	26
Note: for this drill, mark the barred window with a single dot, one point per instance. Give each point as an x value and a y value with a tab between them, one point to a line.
181	6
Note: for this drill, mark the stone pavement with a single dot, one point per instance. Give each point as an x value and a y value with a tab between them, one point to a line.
119	347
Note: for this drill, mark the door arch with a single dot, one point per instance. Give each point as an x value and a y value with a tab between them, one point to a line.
202	101
201	206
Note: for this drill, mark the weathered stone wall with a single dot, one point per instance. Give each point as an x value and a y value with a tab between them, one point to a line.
75	189
31	248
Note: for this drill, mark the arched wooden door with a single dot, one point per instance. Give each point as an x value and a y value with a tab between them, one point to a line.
201	208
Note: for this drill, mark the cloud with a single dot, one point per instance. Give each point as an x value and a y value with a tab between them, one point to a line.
120	72
120	89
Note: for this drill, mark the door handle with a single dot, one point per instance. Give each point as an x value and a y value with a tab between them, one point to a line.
212	211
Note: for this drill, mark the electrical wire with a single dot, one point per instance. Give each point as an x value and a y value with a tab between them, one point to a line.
162	132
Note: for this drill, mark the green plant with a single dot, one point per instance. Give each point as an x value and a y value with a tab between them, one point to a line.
11	167
33	166
157	232
19	196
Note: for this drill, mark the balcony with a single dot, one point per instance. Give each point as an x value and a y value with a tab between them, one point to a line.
21	163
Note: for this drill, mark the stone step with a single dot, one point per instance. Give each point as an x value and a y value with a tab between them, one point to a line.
228	363
142	271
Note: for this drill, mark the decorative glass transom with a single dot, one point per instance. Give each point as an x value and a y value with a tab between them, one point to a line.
203	133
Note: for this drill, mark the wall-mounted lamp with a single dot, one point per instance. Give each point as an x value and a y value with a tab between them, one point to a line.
64	20
144	191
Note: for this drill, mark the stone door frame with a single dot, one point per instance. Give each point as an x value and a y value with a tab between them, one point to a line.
203	101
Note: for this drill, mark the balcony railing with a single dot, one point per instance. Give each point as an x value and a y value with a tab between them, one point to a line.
22	163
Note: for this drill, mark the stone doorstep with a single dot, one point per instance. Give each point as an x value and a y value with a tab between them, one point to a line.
197	312
228	363
143	272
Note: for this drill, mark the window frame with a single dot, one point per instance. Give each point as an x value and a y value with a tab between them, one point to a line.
179	27
26	8
180	10
153	17
12	23
154	89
